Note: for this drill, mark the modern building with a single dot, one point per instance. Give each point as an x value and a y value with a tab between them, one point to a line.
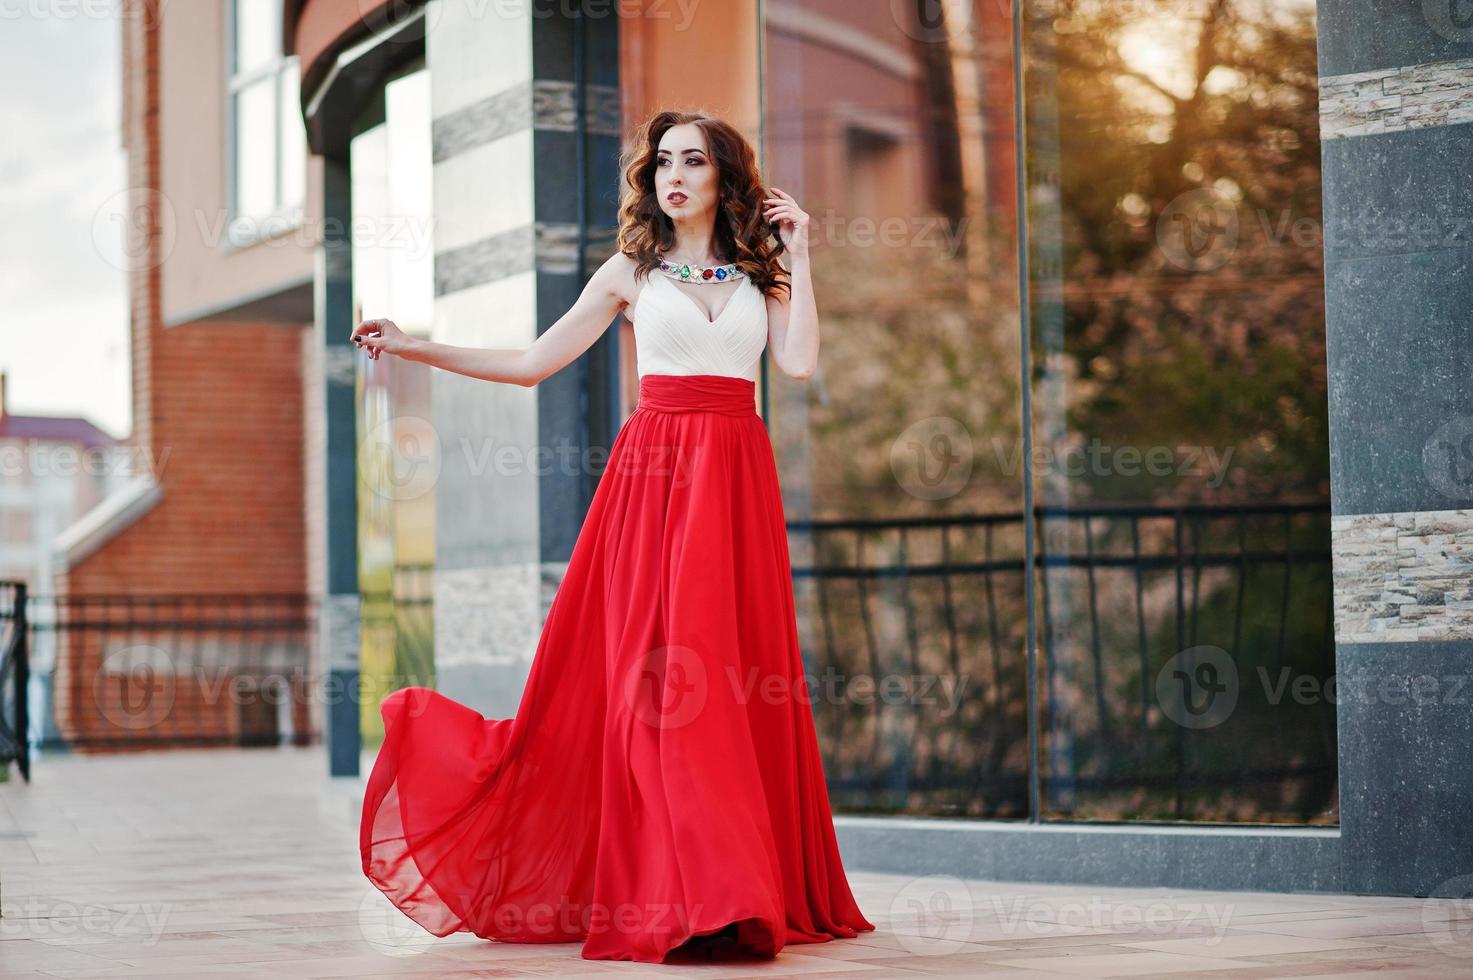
1129	506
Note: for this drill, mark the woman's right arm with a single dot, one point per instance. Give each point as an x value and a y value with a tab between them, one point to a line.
572	334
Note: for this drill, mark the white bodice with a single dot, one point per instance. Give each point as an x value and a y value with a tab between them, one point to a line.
673	336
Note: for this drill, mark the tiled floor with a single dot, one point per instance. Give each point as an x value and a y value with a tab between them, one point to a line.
245	864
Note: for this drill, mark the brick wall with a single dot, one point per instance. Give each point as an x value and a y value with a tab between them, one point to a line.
227	441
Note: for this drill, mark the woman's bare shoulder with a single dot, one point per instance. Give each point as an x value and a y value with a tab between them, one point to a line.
617	275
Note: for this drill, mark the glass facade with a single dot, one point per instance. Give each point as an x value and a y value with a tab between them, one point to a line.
1071	408
398	448
899	457
1179	393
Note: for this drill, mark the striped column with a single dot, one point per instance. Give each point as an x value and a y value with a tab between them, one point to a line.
1396	91
526	137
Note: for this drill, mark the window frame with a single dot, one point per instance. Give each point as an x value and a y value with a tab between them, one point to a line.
242	229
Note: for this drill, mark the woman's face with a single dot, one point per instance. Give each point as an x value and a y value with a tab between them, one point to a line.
686	181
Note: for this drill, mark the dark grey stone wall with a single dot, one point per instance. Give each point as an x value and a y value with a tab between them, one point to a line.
1406	737
1227	858
1396	83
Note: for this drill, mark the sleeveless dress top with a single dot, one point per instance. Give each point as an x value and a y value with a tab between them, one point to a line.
672	335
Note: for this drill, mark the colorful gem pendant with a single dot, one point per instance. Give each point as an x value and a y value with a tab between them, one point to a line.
685	272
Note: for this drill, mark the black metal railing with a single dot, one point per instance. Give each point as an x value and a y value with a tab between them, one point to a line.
1119	592
916	631
128	672
146	671
15	673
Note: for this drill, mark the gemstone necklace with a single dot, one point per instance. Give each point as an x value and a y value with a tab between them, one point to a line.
688	272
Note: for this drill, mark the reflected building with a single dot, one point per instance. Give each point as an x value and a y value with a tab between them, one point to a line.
1093	286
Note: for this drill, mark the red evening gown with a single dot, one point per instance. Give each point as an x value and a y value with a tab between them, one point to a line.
661	778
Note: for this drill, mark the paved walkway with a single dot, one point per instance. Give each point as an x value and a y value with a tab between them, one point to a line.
245	864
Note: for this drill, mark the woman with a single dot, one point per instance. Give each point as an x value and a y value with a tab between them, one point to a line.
660	786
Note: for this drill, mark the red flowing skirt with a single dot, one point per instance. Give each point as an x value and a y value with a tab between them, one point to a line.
661	778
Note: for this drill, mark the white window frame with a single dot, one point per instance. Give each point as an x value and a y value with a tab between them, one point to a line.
246	229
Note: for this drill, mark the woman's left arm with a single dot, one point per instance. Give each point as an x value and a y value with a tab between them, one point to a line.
792	320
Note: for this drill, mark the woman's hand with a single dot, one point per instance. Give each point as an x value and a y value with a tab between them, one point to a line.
380	336
792	221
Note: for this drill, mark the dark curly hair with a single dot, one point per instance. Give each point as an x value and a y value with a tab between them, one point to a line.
743	235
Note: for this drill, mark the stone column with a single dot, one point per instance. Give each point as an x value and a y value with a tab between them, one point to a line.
525	146
1396	86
